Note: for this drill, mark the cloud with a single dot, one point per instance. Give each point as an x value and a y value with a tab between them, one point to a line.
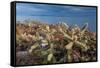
73	8
28	8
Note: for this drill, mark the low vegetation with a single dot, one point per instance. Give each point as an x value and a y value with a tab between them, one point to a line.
40	43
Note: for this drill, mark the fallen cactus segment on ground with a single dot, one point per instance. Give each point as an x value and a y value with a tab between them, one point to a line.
40	43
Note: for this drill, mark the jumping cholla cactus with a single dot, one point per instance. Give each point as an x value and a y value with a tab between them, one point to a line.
74	40
52	44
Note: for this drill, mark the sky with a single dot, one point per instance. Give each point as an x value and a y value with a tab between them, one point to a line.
71	15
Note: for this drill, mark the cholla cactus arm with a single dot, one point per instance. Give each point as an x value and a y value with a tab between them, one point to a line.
50	56
84	28
69	46
65	34
81	45
69	57
33	47
69	50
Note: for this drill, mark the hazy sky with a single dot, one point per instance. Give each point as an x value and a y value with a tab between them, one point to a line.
55	13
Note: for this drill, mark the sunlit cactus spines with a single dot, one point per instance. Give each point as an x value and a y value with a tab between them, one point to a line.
41	43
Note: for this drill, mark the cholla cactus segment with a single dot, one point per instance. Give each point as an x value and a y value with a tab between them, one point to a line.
69	46
50	57
33	47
